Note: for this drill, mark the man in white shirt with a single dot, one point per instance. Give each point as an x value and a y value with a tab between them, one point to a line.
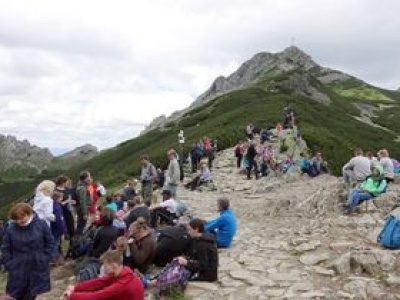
357	169
173	172
165	211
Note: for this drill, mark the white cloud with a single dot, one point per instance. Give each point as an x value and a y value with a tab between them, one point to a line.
74	72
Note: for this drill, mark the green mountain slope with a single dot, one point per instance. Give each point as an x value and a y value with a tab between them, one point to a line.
357	115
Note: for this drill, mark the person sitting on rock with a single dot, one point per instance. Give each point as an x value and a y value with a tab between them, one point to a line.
203	177
119	282
165	211
224	227
357	169
137	209
372	186
287	164
320	165
387	165
306	166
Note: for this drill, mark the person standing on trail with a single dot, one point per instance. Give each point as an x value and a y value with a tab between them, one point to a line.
239	151
148	176
251	157
83	200
173	172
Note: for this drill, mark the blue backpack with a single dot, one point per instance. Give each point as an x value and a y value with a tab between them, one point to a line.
389	237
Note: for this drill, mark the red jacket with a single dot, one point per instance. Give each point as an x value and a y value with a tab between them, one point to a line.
127	286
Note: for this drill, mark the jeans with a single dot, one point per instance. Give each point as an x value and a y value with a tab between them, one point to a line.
56	247
357	196
172	188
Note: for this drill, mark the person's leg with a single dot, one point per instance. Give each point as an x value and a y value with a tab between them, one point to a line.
251	162
56	246
195	183
81	223
172	189
154	218
256	169
356	197
148	193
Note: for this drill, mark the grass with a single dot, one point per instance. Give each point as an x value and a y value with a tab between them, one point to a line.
365	93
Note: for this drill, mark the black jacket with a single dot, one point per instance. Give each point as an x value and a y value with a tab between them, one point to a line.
135	213
203	258
103	239
251	152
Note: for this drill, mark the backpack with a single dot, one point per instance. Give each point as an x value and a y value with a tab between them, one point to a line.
91	270
173	277
389	237
82	244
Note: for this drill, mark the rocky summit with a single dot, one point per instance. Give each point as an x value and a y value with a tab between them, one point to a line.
292	241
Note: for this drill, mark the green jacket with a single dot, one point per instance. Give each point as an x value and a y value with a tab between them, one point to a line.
83	198
375	186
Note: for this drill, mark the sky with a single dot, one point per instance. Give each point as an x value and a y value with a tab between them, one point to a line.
77	72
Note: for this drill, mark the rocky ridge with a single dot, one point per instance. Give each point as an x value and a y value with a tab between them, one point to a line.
266	64
292	241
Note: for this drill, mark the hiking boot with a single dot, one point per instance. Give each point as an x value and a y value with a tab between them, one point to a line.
346	209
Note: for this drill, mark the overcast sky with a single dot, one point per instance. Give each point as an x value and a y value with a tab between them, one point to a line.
75	72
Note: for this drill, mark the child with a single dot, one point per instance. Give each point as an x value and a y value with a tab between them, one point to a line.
111	204
119	222
58	227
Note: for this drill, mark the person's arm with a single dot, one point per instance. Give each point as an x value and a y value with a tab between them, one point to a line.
376	190
48	211
349	165
214	224
6	248
95	289
201	264
140	255
48	240
153	173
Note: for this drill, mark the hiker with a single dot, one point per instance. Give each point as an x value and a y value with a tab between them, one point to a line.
42	203
213	153
141	246
164	211
173	172
224	227
160	177
119	222
320	165
287	164
202	259
110	203
251	157
372	186
250	132
203	177
58	226
129	191
239	151
106	234
172	241
93	196
26	253
194	157
357	169
306	165
137	210
63	186
264	135
119	282
83	201
148	176
387	165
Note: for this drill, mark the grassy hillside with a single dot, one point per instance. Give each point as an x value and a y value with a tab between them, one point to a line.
330	129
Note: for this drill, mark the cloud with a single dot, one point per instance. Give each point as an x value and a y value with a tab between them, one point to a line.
76	72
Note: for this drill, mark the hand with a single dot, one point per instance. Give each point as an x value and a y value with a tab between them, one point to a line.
73	202
182	261
70	289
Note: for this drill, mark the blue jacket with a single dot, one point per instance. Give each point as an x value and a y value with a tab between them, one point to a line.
26	253
224	227
58	227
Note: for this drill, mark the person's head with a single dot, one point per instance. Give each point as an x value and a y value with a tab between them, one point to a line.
144	159
21	213
223	204
118	196
196	227
166	195
62	181
57	196
121	244
109	199
369	155
203	165
112	262
108	216
120	214
377	171
138	229
137	200
171	154
383	153
46	187
358	152
85	177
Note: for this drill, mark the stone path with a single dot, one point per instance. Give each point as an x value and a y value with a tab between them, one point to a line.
292	241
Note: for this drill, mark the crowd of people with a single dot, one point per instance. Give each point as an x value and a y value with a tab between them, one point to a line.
122	234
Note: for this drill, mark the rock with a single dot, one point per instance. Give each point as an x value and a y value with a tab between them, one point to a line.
392	280
254	292
323	271
313	259
79	154
308	246
342	264
363	289
274	292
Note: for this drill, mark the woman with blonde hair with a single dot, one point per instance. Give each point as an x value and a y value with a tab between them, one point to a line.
42	203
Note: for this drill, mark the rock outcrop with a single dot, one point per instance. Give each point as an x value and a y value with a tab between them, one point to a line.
81	153
21	153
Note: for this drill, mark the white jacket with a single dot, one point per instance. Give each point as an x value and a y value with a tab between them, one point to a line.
43	207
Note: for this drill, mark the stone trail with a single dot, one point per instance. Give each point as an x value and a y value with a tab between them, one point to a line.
292	241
